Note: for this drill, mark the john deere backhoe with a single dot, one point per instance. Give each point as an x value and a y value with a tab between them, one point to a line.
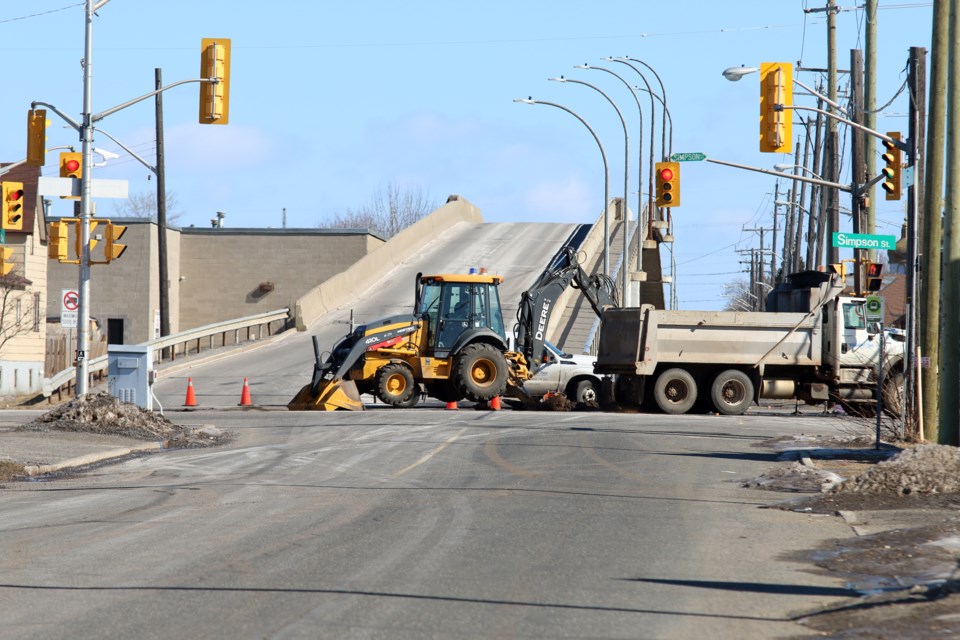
453	344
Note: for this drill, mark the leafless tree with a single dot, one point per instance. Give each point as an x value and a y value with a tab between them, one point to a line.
389	210
17	308
739	297
144	205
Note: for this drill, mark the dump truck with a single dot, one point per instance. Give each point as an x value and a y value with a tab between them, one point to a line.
813	345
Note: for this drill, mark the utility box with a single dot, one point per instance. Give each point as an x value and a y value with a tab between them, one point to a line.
130	373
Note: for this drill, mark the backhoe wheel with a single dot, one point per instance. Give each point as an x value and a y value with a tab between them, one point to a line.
675	391
395	384
481	372
731	392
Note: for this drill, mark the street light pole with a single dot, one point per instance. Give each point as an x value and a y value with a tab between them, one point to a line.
624	261
606	177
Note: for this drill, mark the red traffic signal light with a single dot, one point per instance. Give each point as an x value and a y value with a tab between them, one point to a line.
874	276
12	214
71	164
666	174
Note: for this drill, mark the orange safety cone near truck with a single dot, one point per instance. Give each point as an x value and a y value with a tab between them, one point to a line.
245	395
191	400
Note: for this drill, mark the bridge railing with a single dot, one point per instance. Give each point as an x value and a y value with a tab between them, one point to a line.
185	343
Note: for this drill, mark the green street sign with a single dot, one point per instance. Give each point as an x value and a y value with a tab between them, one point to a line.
688	157
843	240
3	236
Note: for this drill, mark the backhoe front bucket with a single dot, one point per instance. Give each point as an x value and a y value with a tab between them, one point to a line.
331	396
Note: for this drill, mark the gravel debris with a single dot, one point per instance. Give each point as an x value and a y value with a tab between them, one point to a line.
101	413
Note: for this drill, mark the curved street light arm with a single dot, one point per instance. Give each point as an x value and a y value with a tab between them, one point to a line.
73	123
606	175
124	147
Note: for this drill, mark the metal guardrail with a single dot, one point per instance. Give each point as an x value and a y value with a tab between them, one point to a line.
190	341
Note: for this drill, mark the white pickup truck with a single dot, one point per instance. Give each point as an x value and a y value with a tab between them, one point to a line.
567	373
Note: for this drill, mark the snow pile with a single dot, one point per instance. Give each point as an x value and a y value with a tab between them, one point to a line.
795	477
101	413
922	469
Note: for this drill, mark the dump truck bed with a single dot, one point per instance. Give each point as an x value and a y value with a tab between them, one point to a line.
635	340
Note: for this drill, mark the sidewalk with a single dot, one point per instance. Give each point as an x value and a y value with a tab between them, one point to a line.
43	452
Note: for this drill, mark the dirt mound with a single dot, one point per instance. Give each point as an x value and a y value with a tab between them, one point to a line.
101	413
924	469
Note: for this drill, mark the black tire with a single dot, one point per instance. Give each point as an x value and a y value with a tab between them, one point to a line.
731	392
395	384
481	372
675	391
586	393
414	398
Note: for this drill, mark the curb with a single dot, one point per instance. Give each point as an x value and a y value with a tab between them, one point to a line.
91	458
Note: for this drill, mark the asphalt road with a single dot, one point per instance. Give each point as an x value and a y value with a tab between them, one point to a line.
420	523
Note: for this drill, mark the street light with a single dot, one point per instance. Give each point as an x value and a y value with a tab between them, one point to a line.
606	176
639	230
733	74
626	183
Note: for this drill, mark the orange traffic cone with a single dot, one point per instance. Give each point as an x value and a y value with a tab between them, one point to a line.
245	395
495	403
451	406
191	400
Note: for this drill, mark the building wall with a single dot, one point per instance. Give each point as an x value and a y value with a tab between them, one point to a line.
214	274
230	273
24	328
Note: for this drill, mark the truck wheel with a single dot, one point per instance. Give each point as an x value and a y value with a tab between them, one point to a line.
395	384
413	400
731	392
586	393
675	391
893	394
481	372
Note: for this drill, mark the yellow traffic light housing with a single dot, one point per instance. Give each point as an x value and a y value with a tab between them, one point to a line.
893	167
668	184
113	249
36	137
12	193
215	95
58	236
6	260
71	164
776	88
78	238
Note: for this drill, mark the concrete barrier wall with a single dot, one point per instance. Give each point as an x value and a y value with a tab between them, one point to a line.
343	287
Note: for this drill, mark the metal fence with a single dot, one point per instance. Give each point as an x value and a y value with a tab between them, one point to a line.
167	348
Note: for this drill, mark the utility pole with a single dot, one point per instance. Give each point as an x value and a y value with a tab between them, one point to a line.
931	215
950	355
870	113
162	274
801	162
833	215
858	173
816	201
916	82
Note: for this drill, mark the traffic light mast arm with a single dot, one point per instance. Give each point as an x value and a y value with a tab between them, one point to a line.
902	144
103	114
802	178
13	165
66	118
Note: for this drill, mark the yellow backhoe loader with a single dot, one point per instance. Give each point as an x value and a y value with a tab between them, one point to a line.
452	347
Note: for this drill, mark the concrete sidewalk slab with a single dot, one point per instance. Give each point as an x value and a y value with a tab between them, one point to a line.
43	452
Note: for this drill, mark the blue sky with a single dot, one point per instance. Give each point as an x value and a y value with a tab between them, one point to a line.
331	100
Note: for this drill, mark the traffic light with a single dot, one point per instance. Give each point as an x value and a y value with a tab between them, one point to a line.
78	239
891	172
71	164
58	237
874	279
113	249
12	205
838	268
36	137
215	96
776	88
6	260
668	184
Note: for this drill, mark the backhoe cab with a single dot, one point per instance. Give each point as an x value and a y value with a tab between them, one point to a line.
452	347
